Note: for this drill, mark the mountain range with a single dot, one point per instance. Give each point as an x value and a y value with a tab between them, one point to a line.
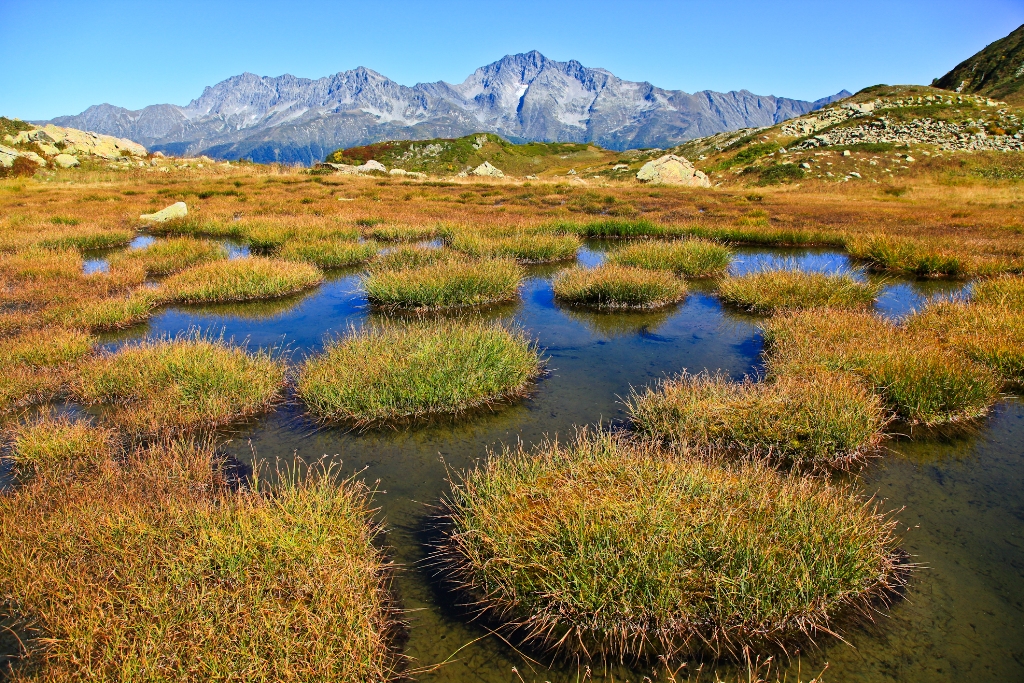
523	97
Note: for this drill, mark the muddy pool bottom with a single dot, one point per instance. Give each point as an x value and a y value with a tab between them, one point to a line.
960	496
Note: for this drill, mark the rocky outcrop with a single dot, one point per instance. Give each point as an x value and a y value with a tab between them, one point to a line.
524	96
672	170
176	210
370	166
66	147
486	169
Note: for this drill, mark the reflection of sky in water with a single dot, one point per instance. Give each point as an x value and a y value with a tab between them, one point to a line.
142	241
963	613
95	265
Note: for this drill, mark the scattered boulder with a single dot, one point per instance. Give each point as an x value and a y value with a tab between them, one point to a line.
7	156
176	210
672	170
407	174
372	165
65	160
486	169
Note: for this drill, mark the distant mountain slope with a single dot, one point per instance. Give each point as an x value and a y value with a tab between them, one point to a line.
997	71
524	97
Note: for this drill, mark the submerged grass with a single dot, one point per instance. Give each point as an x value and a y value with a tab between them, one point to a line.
689	258
823	418
170	256
182	385
445	284
245	279
399	372
614	286
153	570
917	377
603	548
772	290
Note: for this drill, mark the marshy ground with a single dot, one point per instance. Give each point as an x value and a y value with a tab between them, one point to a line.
284	318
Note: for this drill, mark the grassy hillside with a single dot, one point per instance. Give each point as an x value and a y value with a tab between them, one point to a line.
997	71
444	156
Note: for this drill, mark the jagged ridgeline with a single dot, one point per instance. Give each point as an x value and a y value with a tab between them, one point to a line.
997	71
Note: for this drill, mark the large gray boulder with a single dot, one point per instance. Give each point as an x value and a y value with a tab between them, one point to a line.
486	169
65	160
176	210
672	170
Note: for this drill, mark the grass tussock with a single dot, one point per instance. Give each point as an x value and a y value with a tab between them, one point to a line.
614	286
245	279
328	253
523	247
772	290
170	576
399	372
170	255
35	364
989	333
689	258
917	377
615	228
403	233
104	314
415	256
178	386
83	237
923	257
56	446
445	284
1006	292
604	548
824	418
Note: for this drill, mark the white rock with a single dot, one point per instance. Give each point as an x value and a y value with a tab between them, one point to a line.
65	160
486	169
846	153
8	155
176	210
855	174
572	171
408	174
159	155
371	165
672	170
805	165
910	159
619	167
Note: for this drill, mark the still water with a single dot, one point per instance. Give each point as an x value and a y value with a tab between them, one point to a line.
960	496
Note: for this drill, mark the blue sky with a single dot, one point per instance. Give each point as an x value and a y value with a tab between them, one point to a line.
60	57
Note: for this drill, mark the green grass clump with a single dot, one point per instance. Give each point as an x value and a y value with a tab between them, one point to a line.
923	258
328	253
104	314
34	364
523	247
445	284
620	228
603	548
428	368
1006	291
614	286
826	418
916	377
266	237
403	233
170	256
192	226
84	238
59	445
245	279
400	258
170	576
181	385
990	334
767	291
689	258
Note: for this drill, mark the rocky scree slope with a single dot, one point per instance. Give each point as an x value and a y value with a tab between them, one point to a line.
997	71
521	97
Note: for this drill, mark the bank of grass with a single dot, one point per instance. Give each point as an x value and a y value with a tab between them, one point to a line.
614	228
170	255
613	286
170	576
989	333
1006	291
771	290
84	237
445	284
916	376
689	258
923	257
523	247
57	445
184	385
328	253
400	372
820	419
608	549
245	279
414	256
403	232
36	363
105	313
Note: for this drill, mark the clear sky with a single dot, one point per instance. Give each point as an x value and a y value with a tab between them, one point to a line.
60	57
